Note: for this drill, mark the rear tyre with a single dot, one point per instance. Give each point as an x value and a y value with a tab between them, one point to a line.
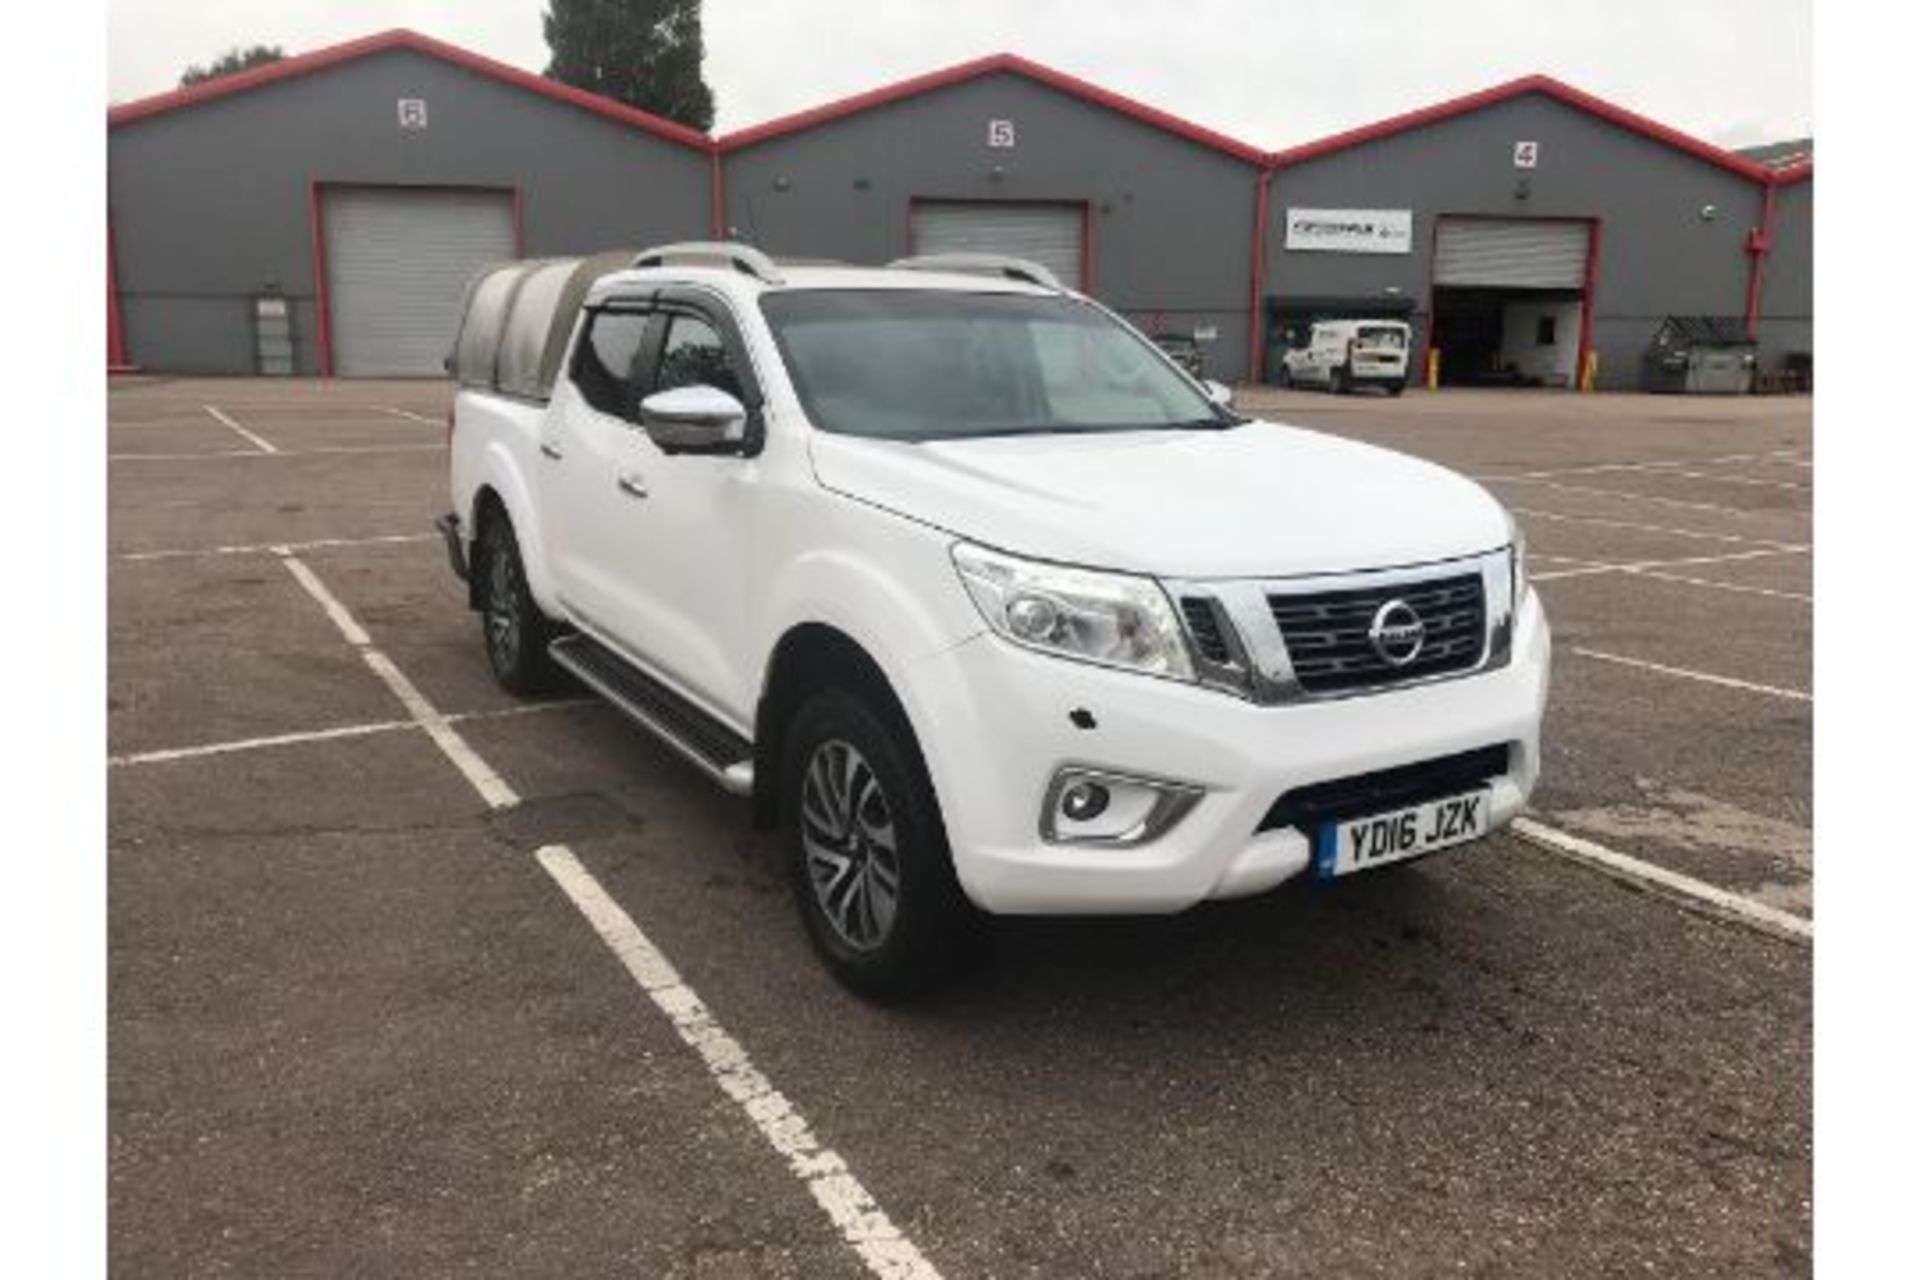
867	852
1339	383
515	631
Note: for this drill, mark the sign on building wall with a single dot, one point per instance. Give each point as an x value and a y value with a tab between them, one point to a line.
1350	230
413	113
1000	134
1526	155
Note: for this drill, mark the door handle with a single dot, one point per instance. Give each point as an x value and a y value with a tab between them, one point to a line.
631	484
551	450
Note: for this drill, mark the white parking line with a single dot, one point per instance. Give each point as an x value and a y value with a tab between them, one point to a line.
1788	457
491	786
1738	588
1670	884
1593	567
168	754
258	442
862	1225
275	548
417	417
1753	482
1696	534
1590	491
1703	677
277	453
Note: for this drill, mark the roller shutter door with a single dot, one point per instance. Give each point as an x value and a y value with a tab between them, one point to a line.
398	261
1049	234
1511	253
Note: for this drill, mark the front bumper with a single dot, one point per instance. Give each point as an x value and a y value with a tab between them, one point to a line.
1004	729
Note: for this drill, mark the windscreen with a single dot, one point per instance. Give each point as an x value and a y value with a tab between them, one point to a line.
930	365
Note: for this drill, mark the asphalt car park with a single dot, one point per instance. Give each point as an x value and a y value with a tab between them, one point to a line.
409	977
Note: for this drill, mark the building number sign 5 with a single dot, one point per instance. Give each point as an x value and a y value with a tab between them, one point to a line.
1000	134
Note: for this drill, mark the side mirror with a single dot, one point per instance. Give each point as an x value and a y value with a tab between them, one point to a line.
697	417
1219	392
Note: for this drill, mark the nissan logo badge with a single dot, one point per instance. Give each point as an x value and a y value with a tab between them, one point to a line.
1397	633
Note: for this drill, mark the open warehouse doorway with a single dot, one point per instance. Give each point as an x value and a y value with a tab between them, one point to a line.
1510	300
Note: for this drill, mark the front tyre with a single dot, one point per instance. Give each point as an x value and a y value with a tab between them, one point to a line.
867	851
516	632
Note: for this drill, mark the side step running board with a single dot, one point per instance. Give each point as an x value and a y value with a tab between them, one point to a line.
710	746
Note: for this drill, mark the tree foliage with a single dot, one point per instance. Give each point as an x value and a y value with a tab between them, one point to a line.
235	59
645	53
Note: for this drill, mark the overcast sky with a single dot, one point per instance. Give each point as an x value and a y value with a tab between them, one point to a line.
1734	72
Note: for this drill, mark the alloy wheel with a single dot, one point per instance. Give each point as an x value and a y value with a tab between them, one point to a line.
853	858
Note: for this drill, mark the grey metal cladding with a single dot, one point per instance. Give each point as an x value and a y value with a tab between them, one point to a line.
1171	220
1786	295
210	203
1658	254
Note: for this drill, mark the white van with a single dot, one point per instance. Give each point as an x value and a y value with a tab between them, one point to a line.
1343	354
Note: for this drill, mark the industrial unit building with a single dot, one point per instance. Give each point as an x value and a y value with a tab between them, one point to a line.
321	214
363	185
1154	216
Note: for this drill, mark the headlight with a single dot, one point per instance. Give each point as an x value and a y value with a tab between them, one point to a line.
1518	551
1114	619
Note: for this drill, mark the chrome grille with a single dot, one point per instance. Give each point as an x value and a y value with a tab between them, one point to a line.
1326	633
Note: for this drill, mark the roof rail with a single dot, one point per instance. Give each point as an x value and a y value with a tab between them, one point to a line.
991	264
743	258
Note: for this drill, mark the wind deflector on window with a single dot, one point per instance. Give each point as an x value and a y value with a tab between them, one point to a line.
517	318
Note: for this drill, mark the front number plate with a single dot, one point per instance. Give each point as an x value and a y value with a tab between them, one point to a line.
1360	844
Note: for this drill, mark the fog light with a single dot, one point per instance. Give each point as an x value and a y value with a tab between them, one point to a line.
1096	806
1084	801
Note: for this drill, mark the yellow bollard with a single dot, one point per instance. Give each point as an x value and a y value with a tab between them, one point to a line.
1590	371
1433	368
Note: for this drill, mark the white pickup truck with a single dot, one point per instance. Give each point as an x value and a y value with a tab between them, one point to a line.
976	594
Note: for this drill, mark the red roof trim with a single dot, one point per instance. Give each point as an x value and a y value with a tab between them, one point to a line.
992	64
1547	85
1793	173
334	55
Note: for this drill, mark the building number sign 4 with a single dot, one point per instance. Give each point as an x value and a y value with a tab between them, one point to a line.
413	113
1526	155
1000	134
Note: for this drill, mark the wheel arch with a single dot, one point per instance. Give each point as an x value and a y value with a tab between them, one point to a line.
495	473
488	506
810	656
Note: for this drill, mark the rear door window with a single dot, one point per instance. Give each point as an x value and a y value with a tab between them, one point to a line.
605	364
